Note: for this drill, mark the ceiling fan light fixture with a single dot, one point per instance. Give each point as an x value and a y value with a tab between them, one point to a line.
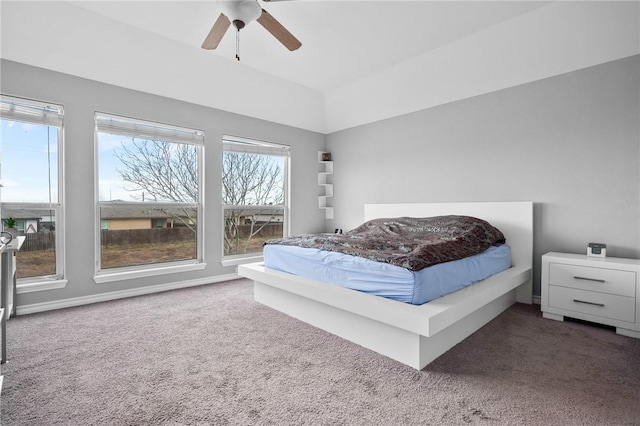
240	12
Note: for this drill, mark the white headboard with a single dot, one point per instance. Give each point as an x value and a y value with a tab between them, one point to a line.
514	219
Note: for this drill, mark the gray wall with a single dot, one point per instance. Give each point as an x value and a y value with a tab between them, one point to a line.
81	98
569	143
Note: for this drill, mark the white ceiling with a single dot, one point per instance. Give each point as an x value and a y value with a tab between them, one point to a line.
360	61
342	41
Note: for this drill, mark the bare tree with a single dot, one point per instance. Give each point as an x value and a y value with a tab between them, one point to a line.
162	171
249	179
168	172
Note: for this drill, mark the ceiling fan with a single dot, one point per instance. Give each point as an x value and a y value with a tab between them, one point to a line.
241	13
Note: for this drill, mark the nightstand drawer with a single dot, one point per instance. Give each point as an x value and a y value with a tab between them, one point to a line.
592	303
612	281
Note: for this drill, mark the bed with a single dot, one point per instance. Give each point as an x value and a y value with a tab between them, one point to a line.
411	334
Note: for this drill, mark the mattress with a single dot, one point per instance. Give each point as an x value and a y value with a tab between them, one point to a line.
386	280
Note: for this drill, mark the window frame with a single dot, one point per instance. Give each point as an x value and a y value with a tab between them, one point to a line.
154	269
51	115
254	146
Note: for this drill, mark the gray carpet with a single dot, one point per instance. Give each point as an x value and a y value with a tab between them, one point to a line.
211	356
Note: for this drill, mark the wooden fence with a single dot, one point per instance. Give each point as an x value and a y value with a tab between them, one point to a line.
272	230
47	240
39	241
146	236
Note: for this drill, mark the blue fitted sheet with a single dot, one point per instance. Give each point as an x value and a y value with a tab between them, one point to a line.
383	279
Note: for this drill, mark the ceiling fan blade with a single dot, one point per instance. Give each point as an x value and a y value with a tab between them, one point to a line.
278	31
216	33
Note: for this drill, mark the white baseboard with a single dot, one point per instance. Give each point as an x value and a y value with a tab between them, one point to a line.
113	295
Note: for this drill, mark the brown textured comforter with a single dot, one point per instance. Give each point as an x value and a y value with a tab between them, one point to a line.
412	243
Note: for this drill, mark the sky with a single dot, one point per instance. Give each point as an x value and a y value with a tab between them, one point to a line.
111	187
29	165
30	151
25	162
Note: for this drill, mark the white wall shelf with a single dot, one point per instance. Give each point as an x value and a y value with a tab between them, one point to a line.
327	187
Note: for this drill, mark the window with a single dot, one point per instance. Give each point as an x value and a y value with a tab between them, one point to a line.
149	194
32	146
255	183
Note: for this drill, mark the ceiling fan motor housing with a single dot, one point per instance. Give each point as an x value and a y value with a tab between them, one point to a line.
240	12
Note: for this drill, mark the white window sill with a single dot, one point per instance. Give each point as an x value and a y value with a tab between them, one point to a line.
239	260
148	272
32	287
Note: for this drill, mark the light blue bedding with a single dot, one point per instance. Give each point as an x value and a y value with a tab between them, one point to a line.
382	279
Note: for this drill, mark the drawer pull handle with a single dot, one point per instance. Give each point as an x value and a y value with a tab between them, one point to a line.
588	279
589	303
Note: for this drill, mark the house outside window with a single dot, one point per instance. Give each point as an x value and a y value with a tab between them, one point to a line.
32	193
149	195
255	201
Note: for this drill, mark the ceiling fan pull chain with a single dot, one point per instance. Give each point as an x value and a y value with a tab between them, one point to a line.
238	44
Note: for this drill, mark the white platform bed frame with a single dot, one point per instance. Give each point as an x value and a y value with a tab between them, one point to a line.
411	334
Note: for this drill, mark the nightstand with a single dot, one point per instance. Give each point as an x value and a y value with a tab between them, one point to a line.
602	290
